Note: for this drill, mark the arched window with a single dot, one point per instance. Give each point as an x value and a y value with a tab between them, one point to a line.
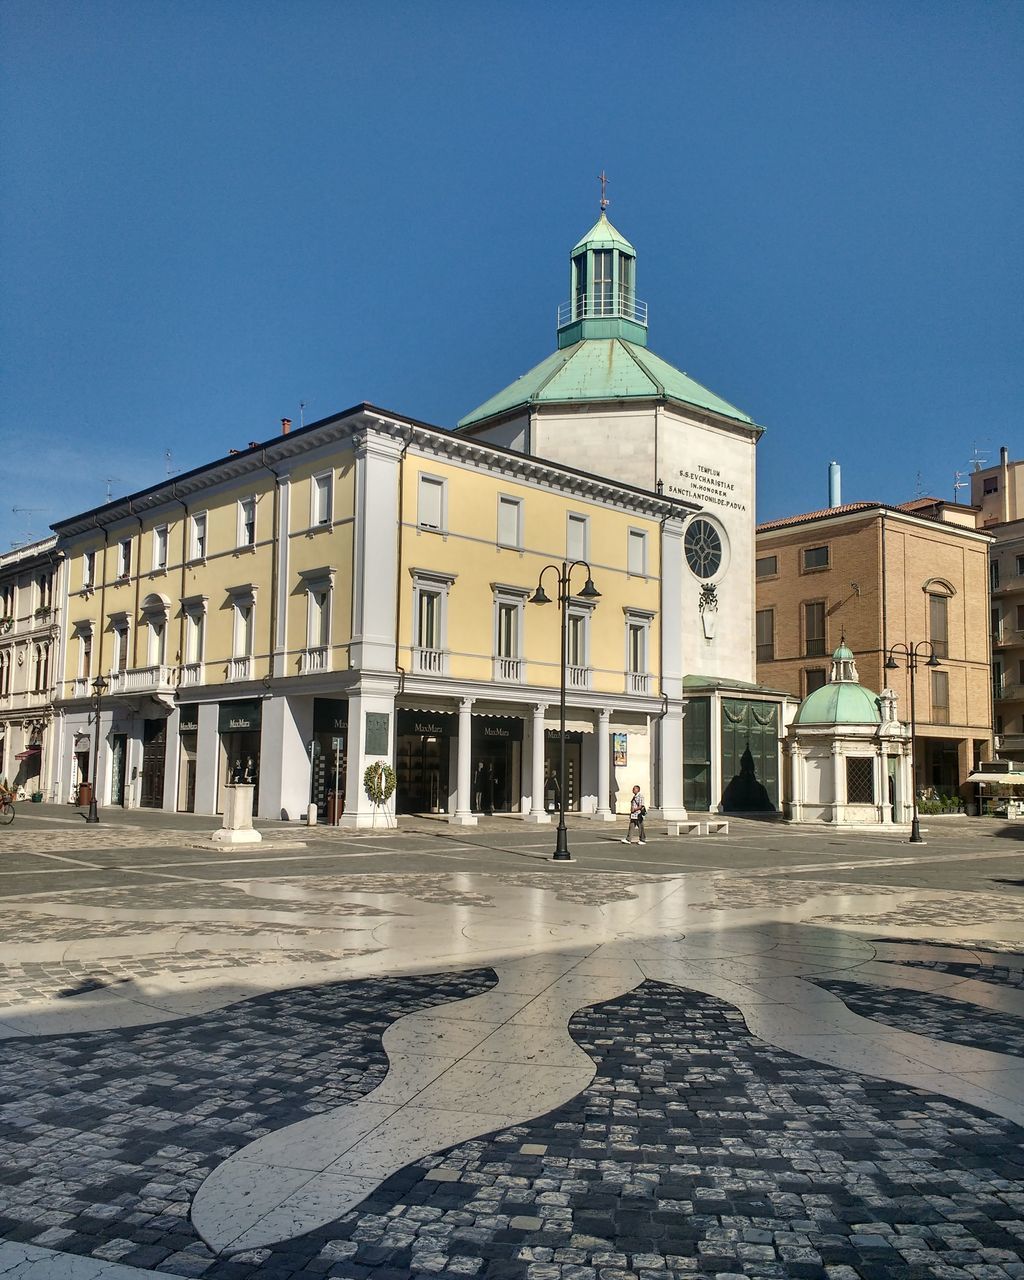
939	593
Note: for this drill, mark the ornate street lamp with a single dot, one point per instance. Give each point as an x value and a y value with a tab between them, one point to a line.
98	687
911	653
563	574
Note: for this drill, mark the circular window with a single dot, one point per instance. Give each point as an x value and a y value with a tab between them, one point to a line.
702	545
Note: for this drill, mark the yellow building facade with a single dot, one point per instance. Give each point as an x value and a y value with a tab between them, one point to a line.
362	591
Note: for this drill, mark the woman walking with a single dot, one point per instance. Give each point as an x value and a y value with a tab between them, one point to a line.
637	813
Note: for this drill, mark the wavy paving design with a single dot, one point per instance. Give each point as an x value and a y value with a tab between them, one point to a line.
696	1148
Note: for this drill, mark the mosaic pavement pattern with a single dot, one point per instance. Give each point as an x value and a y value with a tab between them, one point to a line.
697	1149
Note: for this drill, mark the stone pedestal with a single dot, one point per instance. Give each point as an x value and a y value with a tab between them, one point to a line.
237	828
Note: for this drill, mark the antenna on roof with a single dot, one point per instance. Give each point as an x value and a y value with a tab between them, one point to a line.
112	480
171	471
302	414
919	487
979	459
959	483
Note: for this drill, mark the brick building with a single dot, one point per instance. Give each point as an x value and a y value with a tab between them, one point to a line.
880	576
999	493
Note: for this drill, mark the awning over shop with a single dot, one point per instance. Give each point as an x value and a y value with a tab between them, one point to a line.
28	753
1007	779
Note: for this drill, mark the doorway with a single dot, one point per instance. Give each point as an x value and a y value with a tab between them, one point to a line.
154	750
118	765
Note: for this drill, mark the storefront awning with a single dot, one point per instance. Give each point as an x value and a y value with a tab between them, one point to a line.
1007	779
27	754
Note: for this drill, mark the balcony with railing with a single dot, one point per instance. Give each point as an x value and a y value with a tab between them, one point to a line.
155	679
638	682
509	670
428	662
192	673
1008	692
314	659
239	668
81	687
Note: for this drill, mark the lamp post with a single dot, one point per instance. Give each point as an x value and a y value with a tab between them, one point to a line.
911	653
563	574
98	686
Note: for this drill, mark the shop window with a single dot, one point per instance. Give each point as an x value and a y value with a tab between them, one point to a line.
636	553
940	697
860	780
815	558
247	522
765	627
510	516
431	513
814	629
766	566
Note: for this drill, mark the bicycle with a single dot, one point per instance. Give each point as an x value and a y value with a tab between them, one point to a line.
6	808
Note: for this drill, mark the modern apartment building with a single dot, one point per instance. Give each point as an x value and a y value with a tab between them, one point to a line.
999	493
883	576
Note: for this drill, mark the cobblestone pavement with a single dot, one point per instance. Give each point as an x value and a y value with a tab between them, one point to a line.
805	1058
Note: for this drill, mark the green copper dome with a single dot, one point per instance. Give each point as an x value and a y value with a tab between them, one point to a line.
843	700
839	704
602	235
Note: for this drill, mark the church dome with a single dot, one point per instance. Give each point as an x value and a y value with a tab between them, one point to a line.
843	700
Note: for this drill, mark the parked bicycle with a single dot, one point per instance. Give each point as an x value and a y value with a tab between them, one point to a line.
6	806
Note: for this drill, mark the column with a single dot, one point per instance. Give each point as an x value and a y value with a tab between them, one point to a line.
838	782
670	761
796	782
882	784
207	758
537	812
604	765
464	815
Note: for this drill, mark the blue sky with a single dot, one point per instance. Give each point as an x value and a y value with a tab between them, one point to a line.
212	212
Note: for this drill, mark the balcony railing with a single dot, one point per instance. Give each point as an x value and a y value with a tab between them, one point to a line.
1008	692
577	677
428	662
509	670
314	660
192	673
81	687
625	307
156	679
638	682
239	668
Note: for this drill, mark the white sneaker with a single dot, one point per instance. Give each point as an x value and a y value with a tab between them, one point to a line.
643	841
624	840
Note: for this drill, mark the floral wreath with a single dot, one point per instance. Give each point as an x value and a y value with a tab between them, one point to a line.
5	625
379	781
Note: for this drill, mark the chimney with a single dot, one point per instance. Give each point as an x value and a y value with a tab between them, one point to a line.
834	490
286	426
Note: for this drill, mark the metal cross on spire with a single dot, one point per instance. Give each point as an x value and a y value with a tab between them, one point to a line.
603	179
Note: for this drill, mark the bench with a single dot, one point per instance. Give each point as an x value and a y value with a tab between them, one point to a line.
709	827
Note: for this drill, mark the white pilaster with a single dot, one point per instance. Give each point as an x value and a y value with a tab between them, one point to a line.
537	812
374	697
375	560
172	762
284	757
603	812
838	783
285	599
464	816
671	764
207	758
